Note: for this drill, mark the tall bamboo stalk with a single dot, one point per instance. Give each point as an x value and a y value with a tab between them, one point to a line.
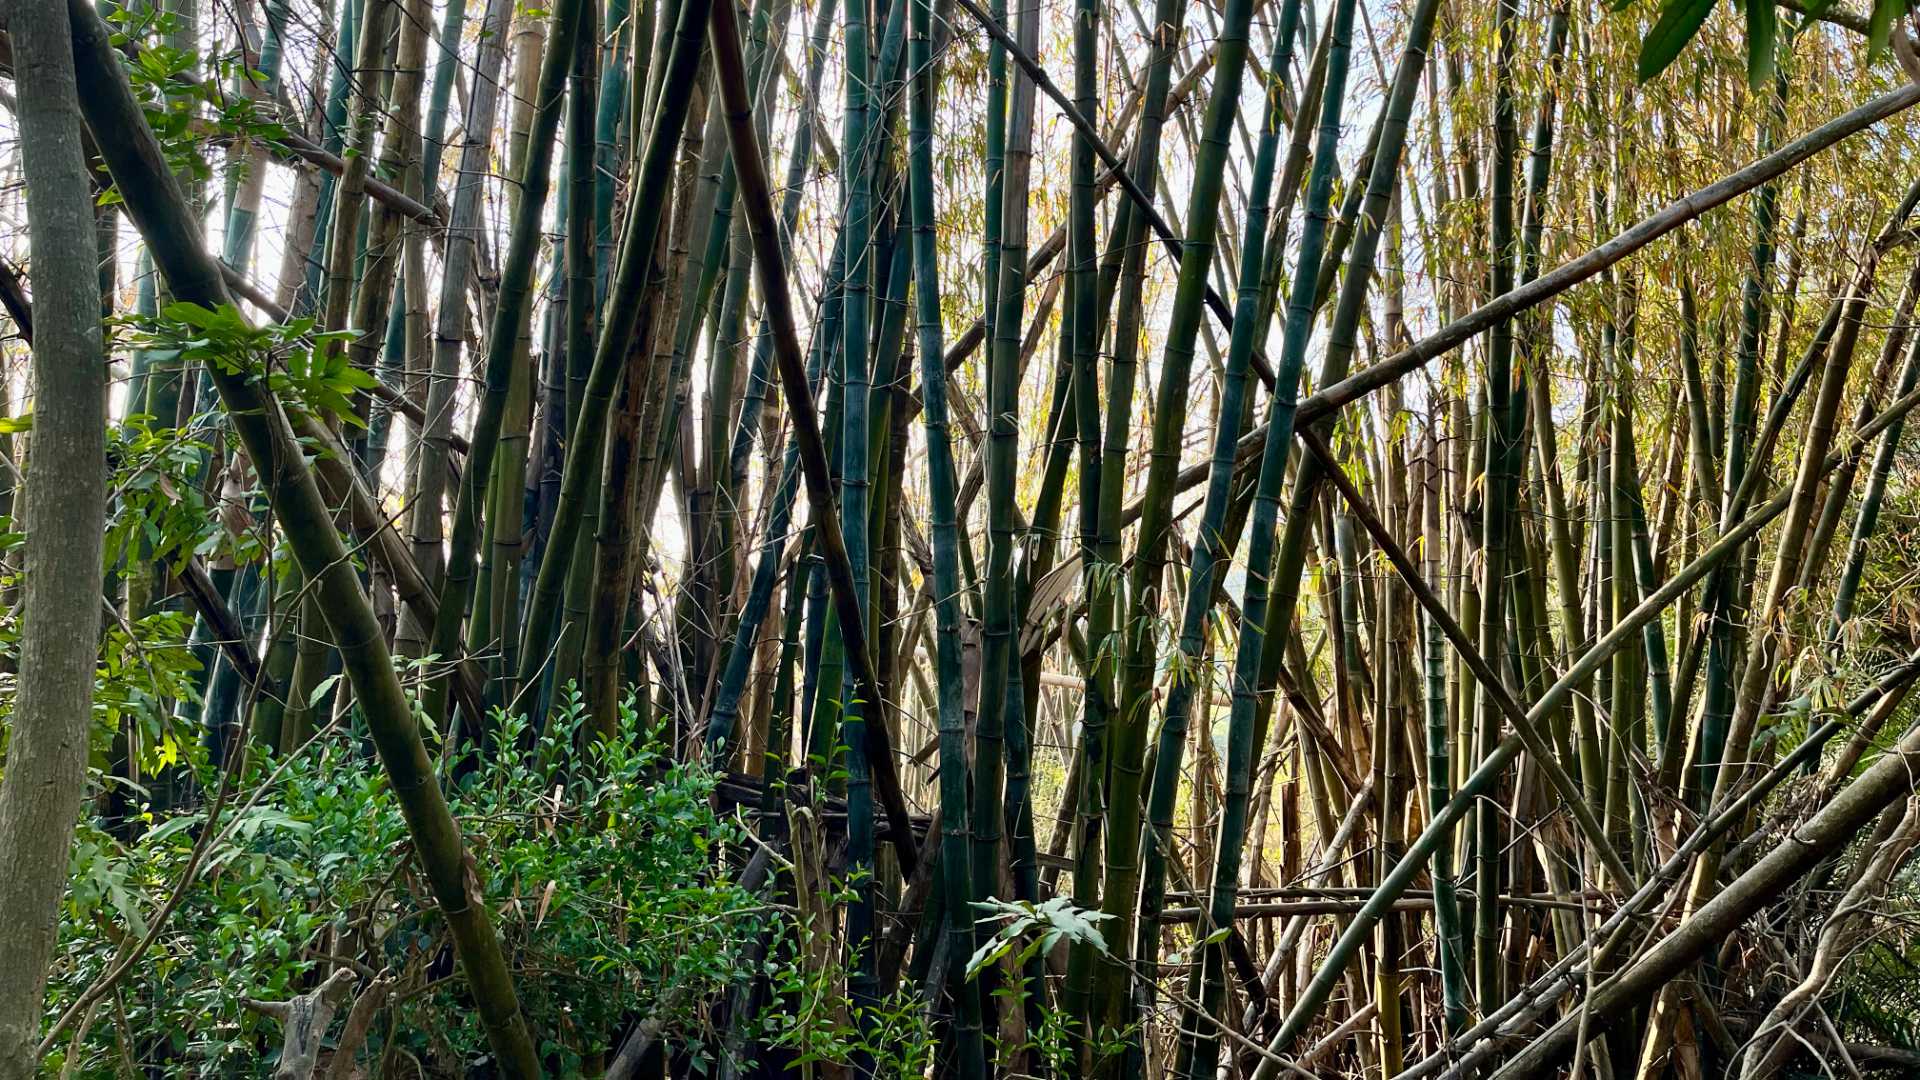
954	822
1204	1042
463	223
757	200
1003	435
856	367
1210	545
624	298
1099	562
1502	435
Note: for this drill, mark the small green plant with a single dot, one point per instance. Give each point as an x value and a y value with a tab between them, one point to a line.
305	368
1036	929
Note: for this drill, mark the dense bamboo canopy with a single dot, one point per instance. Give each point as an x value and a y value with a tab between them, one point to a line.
898	538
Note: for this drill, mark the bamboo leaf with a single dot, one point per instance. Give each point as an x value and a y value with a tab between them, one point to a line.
1679	21
1880	24
1763	32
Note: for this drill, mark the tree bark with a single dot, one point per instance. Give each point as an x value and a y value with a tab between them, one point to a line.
46	766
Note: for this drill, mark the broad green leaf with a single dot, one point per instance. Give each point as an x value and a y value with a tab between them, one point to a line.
1880	24
1679	21
320	691
1763	32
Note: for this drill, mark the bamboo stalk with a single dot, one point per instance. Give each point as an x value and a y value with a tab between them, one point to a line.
157	208
756	199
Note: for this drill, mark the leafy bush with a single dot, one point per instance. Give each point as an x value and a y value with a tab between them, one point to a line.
597	860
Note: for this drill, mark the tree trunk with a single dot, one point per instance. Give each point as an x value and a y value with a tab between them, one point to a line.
46	767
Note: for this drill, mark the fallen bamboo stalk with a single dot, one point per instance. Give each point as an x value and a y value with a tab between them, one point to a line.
1507	305
1397	880
1349	905
1477	1042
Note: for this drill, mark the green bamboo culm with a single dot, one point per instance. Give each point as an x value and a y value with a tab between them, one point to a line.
1124	275
731	689
611	120
1007	189
434	144
799	161
333	141
449	333
1645	579
344	250
857	286
621	314
726	344
1099	566
733	678
764	230
1200	1041
1872	498
1719	601
1210	551
1502	435
957	888
1343	333
1448	945
244	210
515	296
607	524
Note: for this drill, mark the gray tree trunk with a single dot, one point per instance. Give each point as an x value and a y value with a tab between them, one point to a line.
46	762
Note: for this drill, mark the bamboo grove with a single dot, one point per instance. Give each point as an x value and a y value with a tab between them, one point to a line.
1251	538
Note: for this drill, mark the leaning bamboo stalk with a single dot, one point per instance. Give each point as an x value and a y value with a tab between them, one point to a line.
733	676
1586	265
1613	935
1889	778
756	199
1840	489
799	160
400	153
134	158
1333	398
1315	995
1775	1040
1023	54
1867	516
724	431
1819	430
1210	549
